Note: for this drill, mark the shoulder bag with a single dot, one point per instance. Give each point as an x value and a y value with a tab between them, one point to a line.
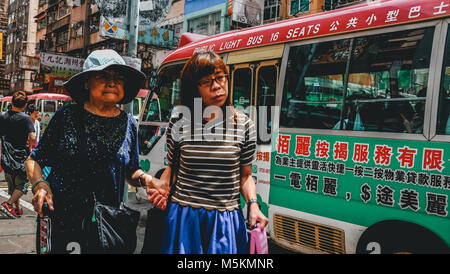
13	160
107	229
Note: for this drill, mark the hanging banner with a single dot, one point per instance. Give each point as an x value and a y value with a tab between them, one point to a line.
60	65
248	11
151	12
151	36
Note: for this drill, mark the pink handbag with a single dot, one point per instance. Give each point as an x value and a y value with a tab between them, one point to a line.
258	241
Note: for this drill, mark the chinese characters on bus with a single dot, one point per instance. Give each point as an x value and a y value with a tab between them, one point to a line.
365	161
379	15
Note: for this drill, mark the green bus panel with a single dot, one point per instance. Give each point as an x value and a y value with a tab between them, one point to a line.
363	180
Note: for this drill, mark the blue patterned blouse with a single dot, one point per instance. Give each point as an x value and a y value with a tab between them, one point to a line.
112	152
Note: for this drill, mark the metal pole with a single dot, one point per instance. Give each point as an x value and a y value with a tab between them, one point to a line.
133	22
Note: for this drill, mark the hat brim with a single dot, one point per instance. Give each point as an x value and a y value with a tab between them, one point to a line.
134	81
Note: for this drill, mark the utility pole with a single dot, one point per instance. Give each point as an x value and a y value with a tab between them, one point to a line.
133	23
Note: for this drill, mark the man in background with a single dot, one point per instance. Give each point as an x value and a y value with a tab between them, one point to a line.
16	128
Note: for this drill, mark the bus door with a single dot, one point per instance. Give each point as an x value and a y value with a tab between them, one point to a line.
154	120
253	89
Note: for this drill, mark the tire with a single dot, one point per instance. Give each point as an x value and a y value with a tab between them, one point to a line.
400	237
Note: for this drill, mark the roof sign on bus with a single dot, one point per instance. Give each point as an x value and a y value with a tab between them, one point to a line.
360	17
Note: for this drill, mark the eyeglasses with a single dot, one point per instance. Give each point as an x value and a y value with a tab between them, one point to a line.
220	79
106	77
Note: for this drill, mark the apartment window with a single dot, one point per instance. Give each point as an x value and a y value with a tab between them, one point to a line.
299	6
51	17
62	37
271	9
94	23
63	11
77	30
41	24
207	25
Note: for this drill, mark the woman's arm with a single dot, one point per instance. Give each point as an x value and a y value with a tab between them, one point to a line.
248	190
42	191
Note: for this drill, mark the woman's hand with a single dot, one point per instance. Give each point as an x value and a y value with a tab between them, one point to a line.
42	194
256	215
157	191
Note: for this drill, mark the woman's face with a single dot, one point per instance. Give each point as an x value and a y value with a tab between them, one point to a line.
35	114
106	87
214	88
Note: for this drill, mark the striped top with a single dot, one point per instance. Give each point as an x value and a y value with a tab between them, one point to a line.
210	160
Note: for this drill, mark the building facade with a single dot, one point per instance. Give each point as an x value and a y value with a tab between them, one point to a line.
4	83
21	44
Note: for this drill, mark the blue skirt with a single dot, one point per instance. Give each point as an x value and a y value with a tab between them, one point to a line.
200	231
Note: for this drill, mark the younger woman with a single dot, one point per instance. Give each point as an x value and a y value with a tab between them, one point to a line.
214	165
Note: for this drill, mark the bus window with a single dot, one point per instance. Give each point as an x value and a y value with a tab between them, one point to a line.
443	126
5	106
136	104
267	85
387	81
148	136
159	106
49	106
242	89
380	86
314	85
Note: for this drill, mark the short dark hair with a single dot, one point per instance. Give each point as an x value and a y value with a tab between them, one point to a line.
19	99
31	108
198	66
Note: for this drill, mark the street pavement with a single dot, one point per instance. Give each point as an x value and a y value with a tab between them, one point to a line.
18	236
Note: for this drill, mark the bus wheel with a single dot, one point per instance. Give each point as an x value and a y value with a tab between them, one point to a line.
396	237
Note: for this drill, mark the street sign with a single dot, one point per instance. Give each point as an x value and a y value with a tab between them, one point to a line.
151	36
60	65
248	11
151	12
29	63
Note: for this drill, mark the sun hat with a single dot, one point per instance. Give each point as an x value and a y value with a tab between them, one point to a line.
100	60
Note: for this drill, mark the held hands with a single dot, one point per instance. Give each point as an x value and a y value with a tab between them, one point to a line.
256	215
42	194
157	191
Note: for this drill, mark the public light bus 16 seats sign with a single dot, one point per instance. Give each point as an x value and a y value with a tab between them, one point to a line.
352	111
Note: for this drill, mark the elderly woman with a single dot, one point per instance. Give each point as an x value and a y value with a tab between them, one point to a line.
110	145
